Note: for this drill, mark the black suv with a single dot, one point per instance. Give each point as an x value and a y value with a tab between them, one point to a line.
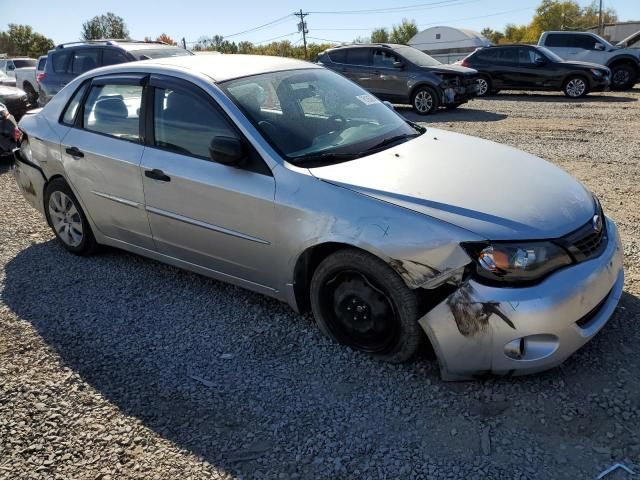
527	67
403	74
68	60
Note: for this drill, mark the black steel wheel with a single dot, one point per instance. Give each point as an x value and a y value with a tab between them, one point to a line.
359	301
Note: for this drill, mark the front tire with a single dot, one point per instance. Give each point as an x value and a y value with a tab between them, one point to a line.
575	87
425	101
484	86
623	77
359	301
67	220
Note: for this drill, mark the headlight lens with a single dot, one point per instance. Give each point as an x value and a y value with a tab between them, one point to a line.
517	262
596	72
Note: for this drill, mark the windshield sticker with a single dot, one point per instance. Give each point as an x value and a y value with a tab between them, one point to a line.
368	99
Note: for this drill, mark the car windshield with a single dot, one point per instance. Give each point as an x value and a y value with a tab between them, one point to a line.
550	55
316	117
417	57
148	53
24	63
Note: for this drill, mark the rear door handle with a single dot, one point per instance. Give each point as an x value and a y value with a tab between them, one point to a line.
157	174
74	152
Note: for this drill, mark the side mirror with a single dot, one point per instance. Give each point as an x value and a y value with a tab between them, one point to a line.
398	65
599	46
540	61
227	151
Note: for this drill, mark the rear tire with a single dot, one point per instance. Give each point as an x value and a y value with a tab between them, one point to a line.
67	220
360	301
425	101
623	77
32	95
575	87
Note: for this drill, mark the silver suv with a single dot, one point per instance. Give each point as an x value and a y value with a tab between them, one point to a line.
285	178
589	47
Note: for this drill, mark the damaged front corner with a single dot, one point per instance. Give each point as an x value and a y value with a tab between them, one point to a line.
419	275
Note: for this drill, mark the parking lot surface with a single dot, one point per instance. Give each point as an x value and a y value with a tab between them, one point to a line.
115	366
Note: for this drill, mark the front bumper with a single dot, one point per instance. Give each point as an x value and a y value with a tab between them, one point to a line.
601	85
31	180
458	91
554	318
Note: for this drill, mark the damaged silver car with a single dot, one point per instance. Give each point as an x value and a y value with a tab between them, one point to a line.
287	179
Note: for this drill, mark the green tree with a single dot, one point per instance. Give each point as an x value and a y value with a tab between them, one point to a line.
493	36
590	15
380	35
22	40
108	25
245	47
557	15
404	32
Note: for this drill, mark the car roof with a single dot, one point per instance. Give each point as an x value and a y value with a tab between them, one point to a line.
369	45
225	67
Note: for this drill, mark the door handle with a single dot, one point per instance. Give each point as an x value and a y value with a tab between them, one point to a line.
74	152
157	174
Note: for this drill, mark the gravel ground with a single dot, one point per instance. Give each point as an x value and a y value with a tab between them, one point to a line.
119	367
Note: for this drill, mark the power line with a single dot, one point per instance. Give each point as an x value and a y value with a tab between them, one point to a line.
405	8
268	24
275	38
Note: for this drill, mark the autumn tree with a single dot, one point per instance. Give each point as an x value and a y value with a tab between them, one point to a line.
163	37
108	25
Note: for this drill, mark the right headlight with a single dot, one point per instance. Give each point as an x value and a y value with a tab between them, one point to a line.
515	262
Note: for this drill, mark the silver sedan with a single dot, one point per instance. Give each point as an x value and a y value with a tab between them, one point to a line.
286	178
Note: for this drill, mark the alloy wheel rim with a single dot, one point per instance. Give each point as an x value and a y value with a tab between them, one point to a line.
359	313
621	77
483	86
65	218
576	87
423	101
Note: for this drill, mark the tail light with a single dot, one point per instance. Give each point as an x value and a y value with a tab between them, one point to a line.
16	134
465	63
40	76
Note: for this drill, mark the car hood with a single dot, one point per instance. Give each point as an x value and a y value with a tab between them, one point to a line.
584	64
495	191
467	72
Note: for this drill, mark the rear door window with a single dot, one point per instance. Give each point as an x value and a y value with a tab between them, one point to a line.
72	107
338	56
359	56
114	110
59	61
507	56
41	63
84	60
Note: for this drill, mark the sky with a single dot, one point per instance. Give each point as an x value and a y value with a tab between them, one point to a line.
332	20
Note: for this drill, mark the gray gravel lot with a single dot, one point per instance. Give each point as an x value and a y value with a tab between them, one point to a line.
116	366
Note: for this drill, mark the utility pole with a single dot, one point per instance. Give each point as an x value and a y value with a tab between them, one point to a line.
600	26
302	27
184	43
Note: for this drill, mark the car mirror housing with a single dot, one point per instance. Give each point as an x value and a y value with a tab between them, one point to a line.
227	150
540	61
398	65
599	46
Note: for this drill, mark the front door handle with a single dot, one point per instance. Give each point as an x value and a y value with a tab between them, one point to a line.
157	174
74	152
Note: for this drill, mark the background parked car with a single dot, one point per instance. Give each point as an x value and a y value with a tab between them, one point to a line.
402	74
9	65
9	132
27	79
6	80
15	100
68	60
527	67
589	47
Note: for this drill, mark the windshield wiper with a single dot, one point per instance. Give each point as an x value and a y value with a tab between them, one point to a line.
417	127
391	140
325	157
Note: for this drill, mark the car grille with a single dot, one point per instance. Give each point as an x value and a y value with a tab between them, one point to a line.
587	242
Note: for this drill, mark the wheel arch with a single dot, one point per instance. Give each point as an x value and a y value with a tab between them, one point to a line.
624	60
423	83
